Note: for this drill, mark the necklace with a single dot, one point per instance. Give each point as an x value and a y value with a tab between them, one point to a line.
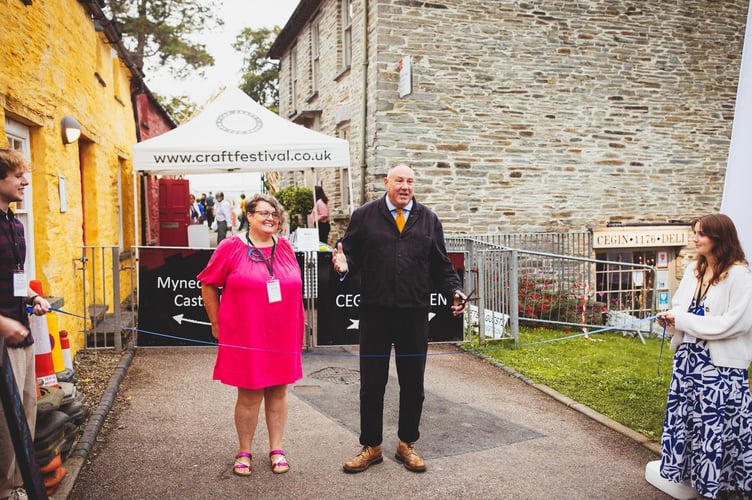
257	255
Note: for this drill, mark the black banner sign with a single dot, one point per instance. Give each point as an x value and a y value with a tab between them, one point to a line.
170	308
338	303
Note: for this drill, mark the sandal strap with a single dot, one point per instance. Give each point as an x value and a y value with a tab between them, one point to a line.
277	452
243	454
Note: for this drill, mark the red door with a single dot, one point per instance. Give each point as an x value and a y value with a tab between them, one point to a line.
173	212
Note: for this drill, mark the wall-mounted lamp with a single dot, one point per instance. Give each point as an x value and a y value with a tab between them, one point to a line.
71	130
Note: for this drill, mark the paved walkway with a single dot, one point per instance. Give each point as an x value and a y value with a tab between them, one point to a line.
485	434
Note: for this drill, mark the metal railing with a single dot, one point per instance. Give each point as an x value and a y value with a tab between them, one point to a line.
536	288
103	269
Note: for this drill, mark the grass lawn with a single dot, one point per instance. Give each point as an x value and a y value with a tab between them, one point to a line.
612	374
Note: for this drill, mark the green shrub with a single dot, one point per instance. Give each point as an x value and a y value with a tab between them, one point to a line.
298	203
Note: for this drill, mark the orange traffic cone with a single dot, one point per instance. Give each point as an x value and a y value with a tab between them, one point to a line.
44	366
65	347
58	362
57	350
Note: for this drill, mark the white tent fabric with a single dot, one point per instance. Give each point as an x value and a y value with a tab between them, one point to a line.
234	133
737	203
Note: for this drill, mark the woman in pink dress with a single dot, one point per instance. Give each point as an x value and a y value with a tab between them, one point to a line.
259	324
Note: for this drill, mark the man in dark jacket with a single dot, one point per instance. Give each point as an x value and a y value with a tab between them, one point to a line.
398	247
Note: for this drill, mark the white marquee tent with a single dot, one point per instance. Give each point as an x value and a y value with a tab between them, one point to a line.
234	133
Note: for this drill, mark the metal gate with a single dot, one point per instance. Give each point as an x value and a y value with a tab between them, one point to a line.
108	295
538	288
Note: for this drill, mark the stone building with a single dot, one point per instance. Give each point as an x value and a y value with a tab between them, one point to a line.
63	62
526	116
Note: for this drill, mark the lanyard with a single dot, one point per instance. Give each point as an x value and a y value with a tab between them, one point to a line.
256	255
700	294
10	218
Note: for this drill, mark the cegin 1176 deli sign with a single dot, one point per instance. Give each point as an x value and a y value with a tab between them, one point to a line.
655	236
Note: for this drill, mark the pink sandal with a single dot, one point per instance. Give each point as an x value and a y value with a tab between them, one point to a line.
242	465
280	465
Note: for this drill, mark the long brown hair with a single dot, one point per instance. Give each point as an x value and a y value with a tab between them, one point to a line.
727	250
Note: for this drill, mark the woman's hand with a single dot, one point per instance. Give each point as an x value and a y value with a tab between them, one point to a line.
666	320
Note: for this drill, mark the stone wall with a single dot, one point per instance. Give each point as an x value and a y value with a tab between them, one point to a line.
538	116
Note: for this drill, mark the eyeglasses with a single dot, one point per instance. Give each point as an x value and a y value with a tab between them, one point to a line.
265	214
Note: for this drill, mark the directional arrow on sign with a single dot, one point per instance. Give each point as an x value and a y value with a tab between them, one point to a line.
354	324
179	318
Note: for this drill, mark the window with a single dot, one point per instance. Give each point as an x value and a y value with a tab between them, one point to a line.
346	23
19	139
315	67
343	175
293	78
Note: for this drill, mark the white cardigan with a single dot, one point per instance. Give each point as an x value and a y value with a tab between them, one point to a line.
727	324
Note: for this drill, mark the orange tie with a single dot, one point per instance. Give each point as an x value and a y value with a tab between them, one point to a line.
400	219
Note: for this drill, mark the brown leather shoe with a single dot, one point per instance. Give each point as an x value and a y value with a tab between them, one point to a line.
409	457
368	455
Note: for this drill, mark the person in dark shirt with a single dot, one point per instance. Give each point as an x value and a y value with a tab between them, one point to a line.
397	245
15	296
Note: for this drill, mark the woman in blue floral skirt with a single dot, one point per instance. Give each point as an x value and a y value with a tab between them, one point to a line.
707	434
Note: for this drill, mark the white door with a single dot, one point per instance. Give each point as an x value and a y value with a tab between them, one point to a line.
18	139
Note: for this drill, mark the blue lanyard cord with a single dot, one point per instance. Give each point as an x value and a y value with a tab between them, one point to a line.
660	353
29	309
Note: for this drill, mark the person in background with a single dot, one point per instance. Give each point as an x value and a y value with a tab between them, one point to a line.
209	203
241	210
194	210
15	297
259	324
398	246
320	215
223	215
707	432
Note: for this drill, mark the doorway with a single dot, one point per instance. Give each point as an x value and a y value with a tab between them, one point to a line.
174	212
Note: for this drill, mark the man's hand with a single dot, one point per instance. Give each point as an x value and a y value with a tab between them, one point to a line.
13	331
39	305
459	303
339	260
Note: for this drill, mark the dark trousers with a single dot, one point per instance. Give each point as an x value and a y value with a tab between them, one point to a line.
324	228
221	230
407	330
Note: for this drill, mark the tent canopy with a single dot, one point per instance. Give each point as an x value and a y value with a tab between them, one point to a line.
235	133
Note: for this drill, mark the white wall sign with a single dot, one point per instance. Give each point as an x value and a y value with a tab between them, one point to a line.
405	76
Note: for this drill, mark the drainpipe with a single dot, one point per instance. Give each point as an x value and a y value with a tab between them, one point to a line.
364	106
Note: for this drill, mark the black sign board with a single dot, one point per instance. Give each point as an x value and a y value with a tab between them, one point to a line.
170	308
338	302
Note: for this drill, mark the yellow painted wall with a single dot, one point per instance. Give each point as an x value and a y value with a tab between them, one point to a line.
53	63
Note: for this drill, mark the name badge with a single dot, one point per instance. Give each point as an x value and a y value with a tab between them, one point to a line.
20	285
273	291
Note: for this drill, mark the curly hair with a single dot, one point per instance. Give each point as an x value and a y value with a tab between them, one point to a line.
250	205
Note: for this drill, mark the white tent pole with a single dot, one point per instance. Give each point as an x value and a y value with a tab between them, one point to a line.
315	181
351	201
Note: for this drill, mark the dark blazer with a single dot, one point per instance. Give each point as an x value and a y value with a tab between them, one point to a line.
398	269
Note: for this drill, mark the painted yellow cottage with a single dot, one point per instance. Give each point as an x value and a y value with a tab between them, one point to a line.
62	62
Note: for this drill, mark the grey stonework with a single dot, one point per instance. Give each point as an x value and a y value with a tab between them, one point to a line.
529	116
